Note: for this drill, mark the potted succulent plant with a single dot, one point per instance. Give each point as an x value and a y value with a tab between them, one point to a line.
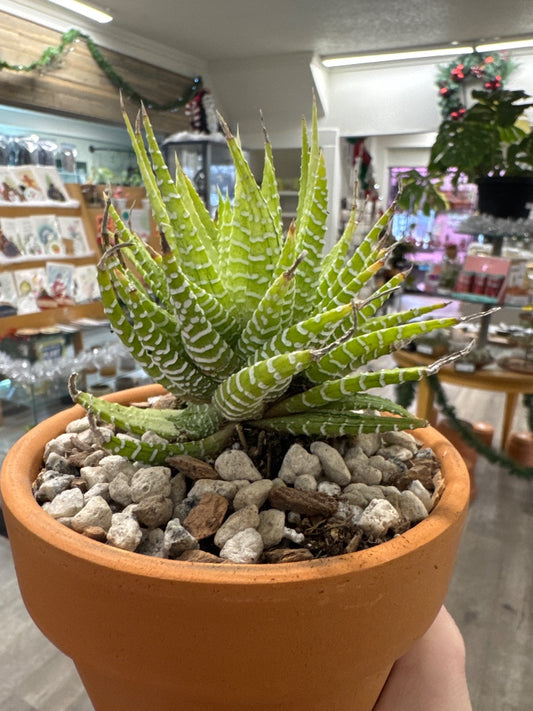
261	343
485	144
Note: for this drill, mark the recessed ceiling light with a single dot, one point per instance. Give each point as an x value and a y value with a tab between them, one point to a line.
82	9
349	60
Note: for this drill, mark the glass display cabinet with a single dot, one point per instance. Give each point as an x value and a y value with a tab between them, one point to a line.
206	160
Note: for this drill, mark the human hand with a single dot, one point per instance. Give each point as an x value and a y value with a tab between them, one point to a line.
431	675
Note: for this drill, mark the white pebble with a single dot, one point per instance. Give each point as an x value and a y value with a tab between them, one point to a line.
291	535
120	490
150	481
77	426
114	464
378	517
255	493
369	442
401	438
423	494
178	487
177	539
98	490
329	488
152	543
332	463
298	461
96	512
93	475
271	526
305	482
53	486
212	486
411	507
238	521
66	504
244	547
236	464
124	532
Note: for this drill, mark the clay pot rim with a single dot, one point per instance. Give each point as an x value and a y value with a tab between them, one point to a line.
22	463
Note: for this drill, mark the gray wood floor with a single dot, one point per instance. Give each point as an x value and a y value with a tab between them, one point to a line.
491	598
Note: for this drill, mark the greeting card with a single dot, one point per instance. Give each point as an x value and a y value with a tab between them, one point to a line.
28	240
30	283
8	290
85	288
29	183
9	242
48	235
60	282
71	228
53	185
10	190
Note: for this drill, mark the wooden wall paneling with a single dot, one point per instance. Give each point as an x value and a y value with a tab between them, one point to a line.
78	87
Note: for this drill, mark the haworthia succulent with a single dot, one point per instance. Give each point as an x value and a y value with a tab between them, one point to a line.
244	324
353	353
311	224
312	332
273	313
254	243
203	344
269	186
163	359
140	451
337	424
340	282
333	391
242	395
143	259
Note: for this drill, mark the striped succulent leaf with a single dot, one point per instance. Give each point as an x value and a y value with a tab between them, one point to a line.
247	325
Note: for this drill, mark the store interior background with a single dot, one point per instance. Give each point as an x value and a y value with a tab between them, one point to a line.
266	56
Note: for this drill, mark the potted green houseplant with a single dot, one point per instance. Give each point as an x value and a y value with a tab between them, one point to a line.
485	144
253	332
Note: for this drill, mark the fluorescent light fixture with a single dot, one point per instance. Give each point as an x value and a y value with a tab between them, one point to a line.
504	44
428	53
82	9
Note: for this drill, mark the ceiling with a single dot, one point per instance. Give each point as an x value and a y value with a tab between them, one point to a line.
257	54
231	29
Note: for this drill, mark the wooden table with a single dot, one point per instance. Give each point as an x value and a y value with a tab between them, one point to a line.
506	381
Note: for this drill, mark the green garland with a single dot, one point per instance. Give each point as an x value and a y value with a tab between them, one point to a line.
53	54
405	396
492	69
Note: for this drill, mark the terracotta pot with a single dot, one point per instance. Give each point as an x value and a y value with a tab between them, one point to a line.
519	446
467	452
150	634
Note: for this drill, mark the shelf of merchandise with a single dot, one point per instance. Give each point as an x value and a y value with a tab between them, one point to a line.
50	317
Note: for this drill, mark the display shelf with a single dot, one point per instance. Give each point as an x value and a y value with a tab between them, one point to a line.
75	208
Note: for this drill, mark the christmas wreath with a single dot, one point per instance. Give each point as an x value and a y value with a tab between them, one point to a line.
490	68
